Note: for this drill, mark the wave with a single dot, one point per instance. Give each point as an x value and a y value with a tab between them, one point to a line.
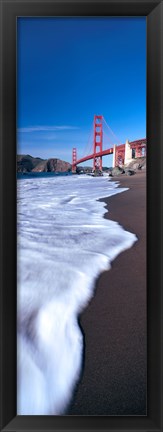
64	243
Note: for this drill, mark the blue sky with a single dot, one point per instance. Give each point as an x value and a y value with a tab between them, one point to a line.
69	69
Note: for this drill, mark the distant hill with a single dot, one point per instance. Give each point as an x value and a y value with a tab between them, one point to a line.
27	163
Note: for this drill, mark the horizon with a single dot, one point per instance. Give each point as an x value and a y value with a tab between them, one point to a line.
68	70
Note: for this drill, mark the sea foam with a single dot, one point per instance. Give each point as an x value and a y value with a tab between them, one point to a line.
64	243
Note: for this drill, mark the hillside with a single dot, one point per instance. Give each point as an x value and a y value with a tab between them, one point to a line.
27	163
137	163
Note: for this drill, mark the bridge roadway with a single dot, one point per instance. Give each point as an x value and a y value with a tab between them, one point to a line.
96	155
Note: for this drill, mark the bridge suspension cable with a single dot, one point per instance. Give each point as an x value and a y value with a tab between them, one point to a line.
107	141
116	140
89	144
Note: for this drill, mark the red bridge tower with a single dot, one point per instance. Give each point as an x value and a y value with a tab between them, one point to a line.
74	159
97	142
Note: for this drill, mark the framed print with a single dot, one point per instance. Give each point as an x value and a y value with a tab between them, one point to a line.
64	242
81	309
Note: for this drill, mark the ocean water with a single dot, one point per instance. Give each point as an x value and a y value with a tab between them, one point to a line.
64	243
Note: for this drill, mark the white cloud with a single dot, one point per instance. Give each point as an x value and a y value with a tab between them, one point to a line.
46	128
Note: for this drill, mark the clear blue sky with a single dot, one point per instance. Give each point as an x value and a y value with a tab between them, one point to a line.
69	69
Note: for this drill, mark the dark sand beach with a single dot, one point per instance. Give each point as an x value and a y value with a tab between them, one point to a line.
114	323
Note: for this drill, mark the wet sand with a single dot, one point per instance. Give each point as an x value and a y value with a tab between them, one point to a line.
113	381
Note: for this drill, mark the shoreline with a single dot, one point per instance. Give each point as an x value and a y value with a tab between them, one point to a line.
113	381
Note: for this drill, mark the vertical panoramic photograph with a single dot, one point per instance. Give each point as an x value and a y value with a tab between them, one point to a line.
81	216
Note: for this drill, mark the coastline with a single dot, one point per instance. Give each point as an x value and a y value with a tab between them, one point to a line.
113	380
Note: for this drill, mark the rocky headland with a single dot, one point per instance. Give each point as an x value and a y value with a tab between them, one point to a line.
137	164
27	163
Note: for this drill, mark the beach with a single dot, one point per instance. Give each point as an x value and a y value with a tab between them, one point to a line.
113	381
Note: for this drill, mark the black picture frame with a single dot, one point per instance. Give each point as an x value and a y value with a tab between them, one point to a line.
10	10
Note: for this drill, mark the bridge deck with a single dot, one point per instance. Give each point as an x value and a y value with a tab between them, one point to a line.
99	154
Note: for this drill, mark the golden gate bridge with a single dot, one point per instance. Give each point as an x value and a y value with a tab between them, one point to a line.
122	153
